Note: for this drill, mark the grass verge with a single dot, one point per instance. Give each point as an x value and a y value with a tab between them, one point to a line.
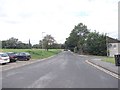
109	59
35	53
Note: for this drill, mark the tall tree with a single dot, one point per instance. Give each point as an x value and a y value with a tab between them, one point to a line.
47	41
11	43
41	44
77	37
96	44
30	45
83	41
82	33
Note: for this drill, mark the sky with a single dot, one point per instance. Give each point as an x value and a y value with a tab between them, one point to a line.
27	19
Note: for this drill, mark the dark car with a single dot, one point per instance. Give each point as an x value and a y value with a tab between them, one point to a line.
12	56
23	56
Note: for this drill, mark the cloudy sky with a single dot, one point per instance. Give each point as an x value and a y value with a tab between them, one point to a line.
24	19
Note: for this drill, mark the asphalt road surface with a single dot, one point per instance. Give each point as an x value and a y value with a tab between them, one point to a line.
66	70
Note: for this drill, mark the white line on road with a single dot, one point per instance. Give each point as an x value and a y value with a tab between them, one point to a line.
104	70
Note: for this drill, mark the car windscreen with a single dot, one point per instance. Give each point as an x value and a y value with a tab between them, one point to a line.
22	54
27	54
11	54
4	55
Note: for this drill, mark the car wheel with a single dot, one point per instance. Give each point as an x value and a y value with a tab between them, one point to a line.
28	59
3	63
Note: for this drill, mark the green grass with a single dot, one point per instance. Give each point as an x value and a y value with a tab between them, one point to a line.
35	53
109	59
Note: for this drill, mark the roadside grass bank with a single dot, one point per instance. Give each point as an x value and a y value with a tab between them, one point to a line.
105	58
109	59
35	53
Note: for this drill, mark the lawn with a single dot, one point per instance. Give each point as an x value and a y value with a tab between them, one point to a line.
35	53
109	59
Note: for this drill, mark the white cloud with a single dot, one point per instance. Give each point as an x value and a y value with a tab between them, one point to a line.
26	19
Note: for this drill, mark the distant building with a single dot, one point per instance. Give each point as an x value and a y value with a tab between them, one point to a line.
112	46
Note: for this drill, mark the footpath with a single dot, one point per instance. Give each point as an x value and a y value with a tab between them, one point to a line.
108	66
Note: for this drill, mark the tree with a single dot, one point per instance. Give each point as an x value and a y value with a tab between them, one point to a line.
96	44
37	46
85	42
77	37
47	41
30	45
41	44
13	43
82	33
10	43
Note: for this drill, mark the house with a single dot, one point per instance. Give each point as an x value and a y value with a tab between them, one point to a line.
113	46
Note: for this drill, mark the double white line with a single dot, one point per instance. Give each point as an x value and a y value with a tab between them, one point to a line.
104	70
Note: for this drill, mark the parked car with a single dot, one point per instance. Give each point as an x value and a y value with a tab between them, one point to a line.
4	58
12	56
23	56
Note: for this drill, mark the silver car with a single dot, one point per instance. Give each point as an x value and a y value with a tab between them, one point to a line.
4	58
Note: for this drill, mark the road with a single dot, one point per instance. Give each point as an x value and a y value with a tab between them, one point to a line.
66	70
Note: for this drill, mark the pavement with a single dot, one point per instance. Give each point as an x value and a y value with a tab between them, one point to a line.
106	65
97	60
65	70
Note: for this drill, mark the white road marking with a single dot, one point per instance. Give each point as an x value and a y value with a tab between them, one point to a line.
104	70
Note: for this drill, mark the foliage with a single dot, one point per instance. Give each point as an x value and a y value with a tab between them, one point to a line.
77	37
86	42
37	46
48	41
35	53
13	43
96	44
109	59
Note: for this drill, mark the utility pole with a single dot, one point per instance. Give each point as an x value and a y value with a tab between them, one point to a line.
107	45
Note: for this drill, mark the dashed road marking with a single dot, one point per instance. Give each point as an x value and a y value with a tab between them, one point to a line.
104	70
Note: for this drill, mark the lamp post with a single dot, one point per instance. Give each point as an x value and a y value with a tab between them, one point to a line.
119	26
42	39
107	44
